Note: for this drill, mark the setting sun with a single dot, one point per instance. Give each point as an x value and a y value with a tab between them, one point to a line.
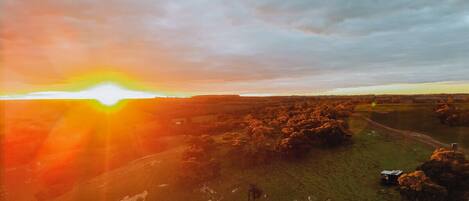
110	94
106	93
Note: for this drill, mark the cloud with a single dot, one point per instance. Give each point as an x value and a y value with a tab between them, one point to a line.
236	46
349	18
419	88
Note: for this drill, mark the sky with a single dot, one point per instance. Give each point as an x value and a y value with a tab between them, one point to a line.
247	47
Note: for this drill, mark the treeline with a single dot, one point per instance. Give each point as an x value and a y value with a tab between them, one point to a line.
273	132
451	115
445	177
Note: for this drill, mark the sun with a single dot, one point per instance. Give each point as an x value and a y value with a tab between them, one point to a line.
106	93
110	94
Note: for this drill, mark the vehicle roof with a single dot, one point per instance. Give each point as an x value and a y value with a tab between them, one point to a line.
392	172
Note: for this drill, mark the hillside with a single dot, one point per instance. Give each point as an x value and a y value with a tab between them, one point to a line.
345	173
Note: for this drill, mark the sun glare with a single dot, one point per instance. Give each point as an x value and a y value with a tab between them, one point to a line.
107	94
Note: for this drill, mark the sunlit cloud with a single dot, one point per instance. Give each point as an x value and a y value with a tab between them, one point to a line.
420	88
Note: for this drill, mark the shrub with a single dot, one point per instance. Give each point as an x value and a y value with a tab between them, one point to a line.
197	164
297	144
417	186
447	169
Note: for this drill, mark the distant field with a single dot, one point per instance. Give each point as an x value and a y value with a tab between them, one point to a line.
419	118
345	173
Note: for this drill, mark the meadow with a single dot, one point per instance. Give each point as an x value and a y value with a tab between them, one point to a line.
419	118
344	173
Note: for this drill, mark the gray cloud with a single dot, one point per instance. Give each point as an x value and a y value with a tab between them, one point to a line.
272	46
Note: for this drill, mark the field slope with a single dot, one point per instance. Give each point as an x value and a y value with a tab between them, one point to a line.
345	173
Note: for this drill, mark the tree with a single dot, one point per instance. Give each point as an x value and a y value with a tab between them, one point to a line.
449	114
332	132
444	177
450	169
290	130
297	144
197	164
416	186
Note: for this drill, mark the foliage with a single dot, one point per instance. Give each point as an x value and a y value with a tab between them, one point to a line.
197	164
449	114
446	168
294	145
417	186
291	130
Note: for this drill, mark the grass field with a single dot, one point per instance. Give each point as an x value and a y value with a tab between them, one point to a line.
345	173
419	118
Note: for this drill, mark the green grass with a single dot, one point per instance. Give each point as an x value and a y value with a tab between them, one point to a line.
419	118
345	173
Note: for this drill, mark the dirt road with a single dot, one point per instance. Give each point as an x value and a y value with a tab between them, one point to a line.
410	134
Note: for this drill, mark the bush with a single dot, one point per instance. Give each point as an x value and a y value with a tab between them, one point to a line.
295	145
417	186
197	164
452	116
446	169
332	132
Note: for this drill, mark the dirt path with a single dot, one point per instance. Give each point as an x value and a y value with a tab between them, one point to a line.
409	134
